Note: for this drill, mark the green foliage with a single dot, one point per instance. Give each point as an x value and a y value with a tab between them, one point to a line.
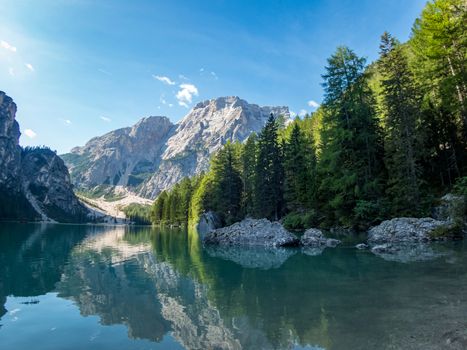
138	213
300	221
350	162
461	186
269	173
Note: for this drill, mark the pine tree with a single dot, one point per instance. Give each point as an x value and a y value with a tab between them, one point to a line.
227	184
248	164
269	175
439	49
401	111
296	170
349	165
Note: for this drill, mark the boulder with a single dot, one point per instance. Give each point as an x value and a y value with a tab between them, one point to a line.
361	246
450	209
208	222
315	238
251	232
401	230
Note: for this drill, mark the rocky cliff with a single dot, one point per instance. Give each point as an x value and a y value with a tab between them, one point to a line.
34	182
154	154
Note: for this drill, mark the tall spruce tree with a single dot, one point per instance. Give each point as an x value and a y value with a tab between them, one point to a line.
401	106
269	175
439	48
349	165
296	171
248	164
227	184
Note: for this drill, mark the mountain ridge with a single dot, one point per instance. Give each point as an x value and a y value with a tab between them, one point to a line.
154	154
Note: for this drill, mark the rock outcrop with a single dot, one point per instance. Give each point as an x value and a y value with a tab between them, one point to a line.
155	154
34	182
406	239
251	232
208	222
314	237
401	230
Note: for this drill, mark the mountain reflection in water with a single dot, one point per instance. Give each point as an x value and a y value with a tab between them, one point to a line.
160	288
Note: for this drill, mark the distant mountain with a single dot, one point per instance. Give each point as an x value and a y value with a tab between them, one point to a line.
34	182
155	154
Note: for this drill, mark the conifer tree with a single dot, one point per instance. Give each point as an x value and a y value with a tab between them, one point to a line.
296	170
269	175
248	165
349	165
401	112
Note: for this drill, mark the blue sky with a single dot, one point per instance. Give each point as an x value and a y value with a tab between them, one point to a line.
80	68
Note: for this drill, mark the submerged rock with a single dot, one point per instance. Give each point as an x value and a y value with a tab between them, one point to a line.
362	246
251	232
400	230
252	257
315	238
406	252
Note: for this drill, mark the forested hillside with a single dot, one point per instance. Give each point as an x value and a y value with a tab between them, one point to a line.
389	138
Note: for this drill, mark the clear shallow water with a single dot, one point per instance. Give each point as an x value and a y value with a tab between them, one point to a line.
91	287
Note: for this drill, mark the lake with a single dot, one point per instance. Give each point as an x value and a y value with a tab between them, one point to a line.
111	287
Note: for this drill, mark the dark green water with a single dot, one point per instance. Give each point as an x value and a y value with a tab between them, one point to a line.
90	287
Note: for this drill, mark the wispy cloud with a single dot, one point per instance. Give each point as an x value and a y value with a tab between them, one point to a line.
106	119
30	133
7	46
103	71
313	104
214	75
182	77
30	67
185	94
165	80
302	113
65	121
162	99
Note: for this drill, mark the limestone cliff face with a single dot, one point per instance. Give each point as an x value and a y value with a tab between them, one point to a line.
10	151
154	154
122	157
34	182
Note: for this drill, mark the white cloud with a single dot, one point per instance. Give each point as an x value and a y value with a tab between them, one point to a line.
162	99
65	121
106	119
11	71
214	75
30	67
302	113
313	104
185	94
7	46
201	70
171	105
29	133
182	77
165	80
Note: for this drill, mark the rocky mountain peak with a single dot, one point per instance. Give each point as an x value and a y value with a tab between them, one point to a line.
34	182
154	154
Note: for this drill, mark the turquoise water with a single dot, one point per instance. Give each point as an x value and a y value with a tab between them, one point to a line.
96	287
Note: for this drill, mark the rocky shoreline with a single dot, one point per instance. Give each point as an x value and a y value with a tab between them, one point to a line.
399	239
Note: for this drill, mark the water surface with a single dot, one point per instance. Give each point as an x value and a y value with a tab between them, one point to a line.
97	287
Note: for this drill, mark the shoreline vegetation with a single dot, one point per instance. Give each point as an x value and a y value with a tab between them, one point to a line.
389	139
